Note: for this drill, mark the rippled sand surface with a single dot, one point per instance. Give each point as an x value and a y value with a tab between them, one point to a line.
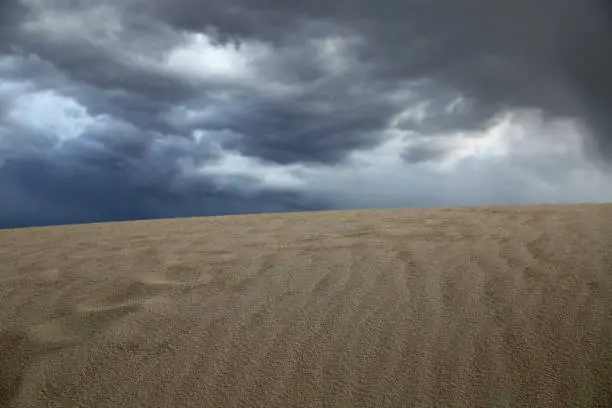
445	307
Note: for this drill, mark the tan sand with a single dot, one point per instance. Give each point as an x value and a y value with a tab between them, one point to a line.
446	307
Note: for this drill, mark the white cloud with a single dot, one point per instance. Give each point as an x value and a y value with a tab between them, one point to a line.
522	158
232	167
199	58
50	113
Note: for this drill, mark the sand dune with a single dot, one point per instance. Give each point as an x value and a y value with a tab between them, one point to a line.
446	307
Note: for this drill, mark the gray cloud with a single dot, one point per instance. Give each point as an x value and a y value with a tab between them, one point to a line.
549	54
295	132
11	13
324	80
125	178
319	122
423	153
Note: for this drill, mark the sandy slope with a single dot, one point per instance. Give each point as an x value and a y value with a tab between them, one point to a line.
465	307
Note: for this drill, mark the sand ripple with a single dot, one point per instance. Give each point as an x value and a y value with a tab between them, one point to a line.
464	307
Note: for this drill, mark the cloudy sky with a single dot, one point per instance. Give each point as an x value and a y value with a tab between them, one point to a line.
131	109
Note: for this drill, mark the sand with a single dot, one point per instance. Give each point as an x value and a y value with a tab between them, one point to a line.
444	307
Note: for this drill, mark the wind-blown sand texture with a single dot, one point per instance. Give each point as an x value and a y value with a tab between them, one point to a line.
445	307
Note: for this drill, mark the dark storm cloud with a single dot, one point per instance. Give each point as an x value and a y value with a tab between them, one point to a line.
11	14
295	128
123	177
128	168
502	54
45	192
300	131
106	83
466	60
555	55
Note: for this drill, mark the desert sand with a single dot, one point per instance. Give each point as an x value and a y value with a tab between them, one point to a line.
446	307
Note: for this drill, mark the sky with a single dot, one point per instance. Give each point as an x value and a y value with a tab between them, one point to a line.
114	110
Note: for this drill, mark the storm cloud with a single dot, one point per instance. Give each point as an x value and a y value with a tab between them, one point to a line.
555	55
117	110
